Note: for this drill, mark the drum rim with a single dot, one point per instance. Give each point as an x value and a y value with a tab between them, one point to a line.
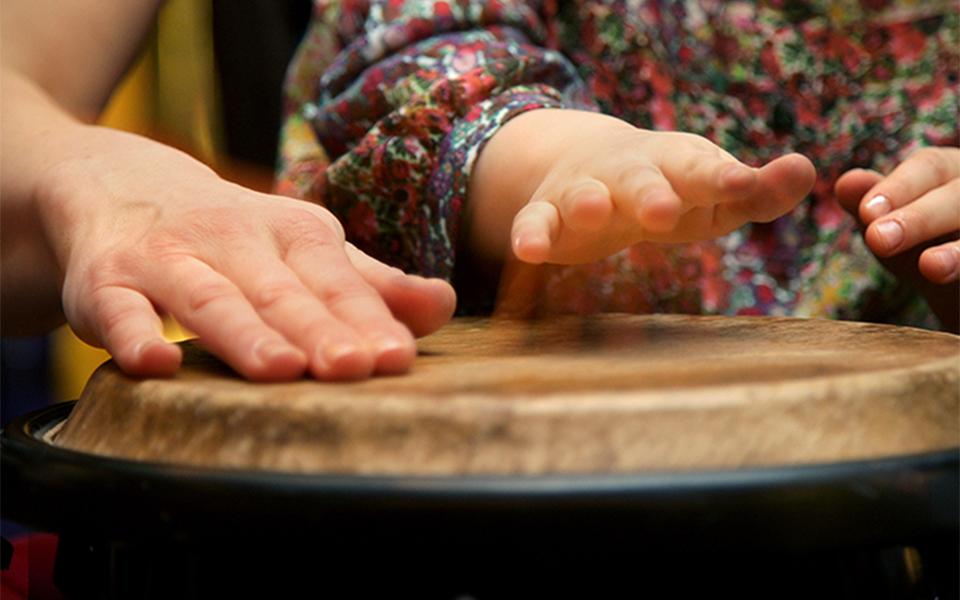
874	501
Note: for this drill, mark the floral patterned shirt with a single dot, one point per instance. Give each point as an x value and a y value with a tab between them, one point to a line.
389	103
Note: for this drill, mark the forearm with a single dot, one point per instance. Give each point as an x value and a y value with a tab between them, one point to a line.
32	128
66	185
75	51
60	62
39	226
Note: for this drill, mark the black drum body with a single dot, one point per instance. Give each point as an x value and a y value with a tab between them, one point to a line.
864	529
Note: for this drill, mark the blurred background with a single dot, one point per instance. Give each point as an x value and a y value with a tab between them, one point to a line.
208	81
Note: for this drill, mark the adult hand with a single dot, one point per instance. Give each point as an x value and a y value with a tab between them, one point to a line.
911	221
266	282
131	230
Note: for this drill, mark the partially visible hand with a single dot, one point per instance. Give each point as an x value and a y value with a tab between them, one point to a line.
598	185
266	282
911	221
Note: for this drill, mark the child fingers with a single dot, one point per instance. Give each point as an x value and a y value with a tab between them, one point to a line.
780	186
585	205
659	211
922	172
644	193
700	172
764	194
535	228
935	214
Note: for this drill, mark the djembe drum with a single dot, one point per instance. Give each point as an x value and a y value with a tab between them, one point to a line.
764	455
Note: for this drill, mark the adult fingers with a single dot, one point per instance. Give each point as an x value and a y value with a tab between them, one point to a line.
852	186
422	304
210	305
128	327
941	264
924	171
292	271
935	214
316	299
358	315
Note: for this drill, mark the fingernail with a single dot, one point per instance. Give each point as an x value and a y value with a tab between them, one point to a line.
531	248
891	233
520	241
386	345
392	355
269	350
948	260
335	353
876	207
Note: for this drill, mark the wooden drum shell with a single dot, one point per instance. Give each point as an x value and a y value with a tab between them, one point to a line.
576	395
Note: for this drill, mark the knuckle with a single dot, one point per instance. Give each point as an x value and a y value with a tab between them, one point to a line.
346	295
158	248
913	222
103	273
202	295
310	230
269	294
934	159
897	190
111	316
94	283
637	175
224	224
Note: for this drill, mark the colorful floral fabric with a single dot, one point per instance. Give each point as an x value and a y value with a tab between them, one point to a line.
389	103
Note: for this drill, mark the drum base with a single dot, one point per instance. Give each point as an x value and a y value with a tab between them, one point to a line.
403	569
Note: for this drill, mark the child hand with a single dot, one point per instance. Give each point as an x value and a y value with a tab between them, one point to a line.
588	185
910	220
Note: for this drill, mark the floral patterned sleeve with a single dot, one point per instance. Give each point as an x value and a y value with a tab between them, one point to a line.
390	102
